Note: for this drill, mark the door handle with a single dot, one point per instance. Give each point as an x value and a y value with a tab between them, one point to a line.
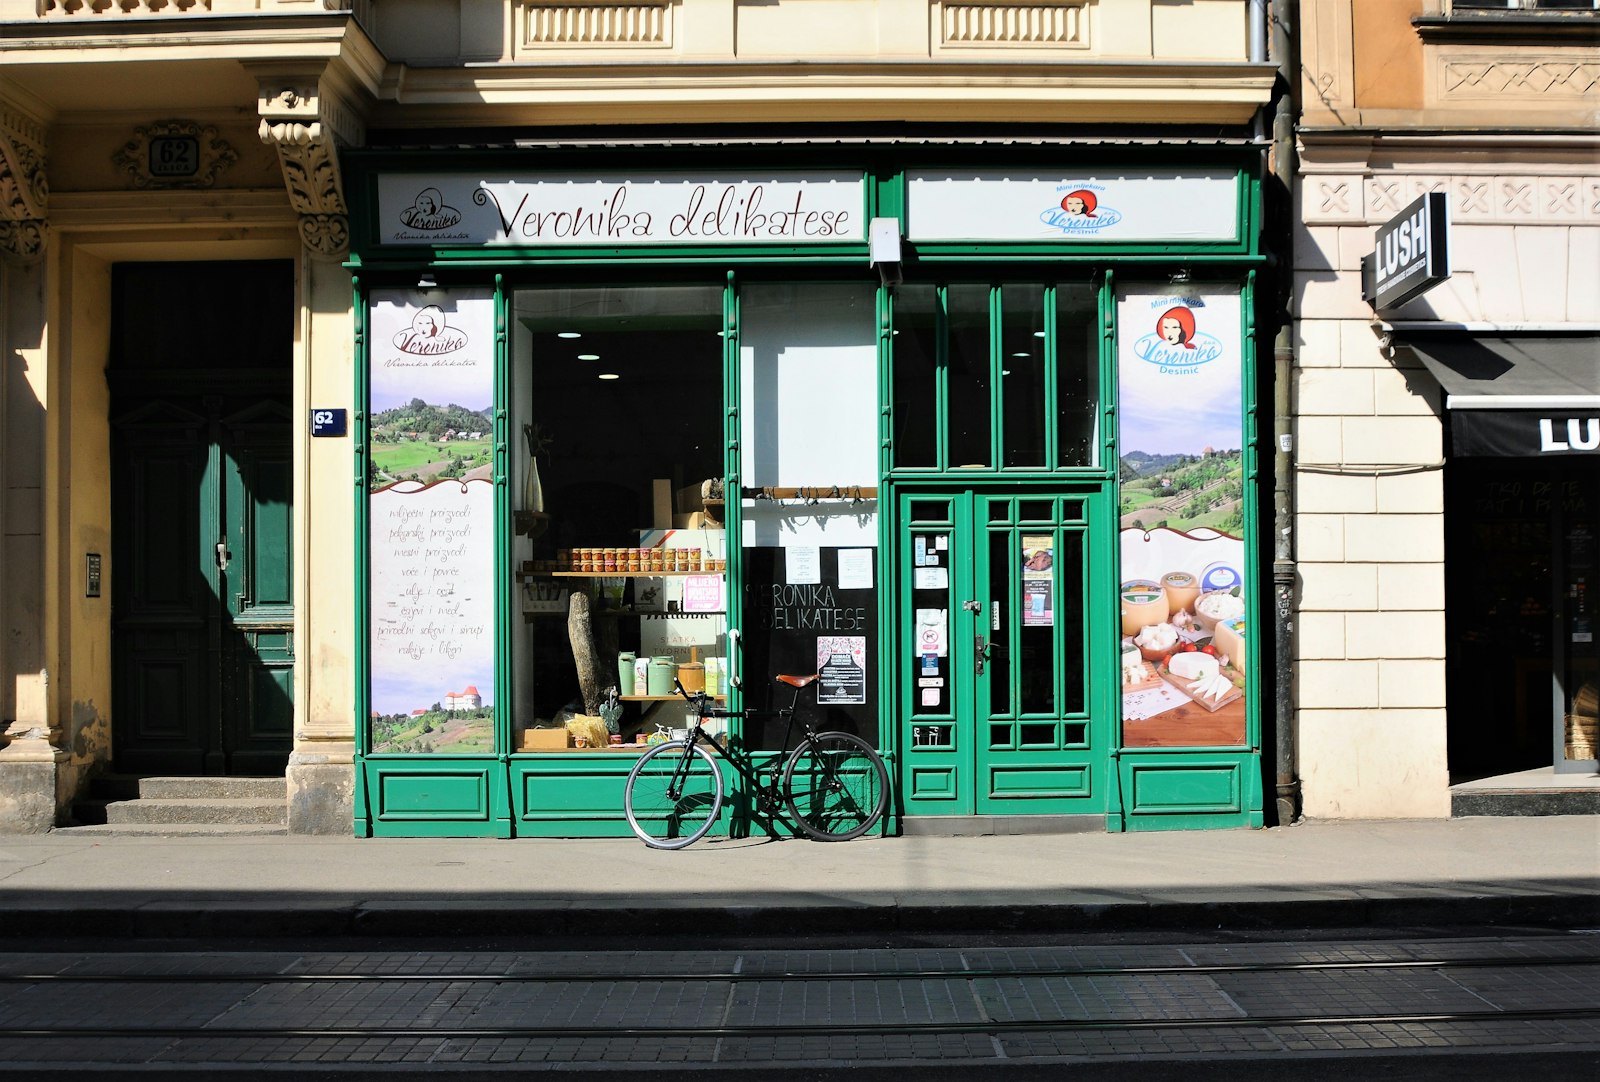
980	653
222	556
972	606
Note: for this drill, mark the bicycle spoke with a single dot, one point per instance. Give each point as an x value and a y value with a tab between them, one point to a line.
673	795
836	786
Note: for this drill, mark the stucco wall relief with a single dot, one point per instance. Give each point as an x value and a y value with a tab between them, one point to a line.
1508	199
212	155
567	25
1489	78
24	186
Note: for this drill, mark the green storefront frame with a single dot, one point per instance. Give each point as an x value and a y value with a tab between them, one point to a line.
514	794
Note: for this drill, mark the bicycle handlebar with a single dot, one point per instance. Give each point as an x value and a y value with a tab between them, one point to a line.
700	701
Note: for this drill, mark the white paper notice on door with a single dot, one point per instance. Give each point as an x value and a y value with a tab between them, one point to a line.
802	565
855	569
931	637
930	578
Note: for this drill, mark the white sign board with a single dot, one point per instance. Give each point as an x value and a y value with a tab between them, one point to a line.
1176	206
564	210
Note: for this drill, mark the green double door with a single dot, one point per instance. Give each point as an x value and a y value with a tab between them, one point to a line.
1003	699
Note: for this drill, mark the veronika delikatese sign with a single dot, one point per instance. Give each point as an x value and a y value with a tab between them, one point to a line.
567	210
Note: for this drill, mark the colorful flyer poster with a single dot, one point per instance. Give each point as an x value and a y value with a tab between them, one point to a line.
842	669
431	522
1038	581
702	593
1185	616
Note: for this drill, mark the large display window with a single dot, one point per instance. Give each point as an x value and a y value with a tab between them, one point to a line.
620	554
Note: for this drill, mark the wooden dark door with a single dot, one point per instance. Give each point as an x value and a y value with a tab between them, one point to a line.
202	552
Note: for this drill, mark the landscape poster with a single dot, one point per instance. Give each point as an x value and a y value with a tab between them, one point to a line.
431	522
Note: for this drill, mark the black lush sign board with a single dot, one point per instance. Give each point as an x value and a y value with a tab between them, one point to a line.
782	624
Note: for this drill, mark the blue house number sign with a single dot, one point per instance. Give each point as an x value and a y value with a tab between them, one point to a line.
326	422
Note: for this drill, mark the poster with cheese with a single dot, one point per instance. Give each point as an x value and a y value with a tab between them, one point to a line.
1184	609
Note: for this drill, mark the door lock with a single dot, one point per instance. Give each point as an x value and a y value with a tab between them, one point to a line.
222	556
980	654
972	606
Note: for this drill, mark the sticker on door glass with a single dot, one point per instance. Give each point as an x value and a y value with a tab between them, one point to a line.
931	696
930	632
1038	581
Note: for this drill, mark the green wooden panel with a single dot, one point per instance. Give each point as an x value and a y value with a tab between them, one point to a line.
431	794
1042	781
1202	787
934	783
1191	791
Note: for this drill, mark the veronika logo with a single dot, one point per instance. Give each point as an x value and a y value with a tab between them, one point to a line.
1080	212
429	212
429	335
1177	347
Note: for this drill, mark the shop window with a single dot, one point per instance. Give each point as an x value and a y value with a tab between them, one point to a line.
987	376
808	377
1077	359
967	367
916	366
1022	374
616	399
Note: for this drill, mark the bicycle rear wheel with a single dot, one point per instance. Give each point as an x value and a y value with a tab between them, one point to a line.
835	786
673	795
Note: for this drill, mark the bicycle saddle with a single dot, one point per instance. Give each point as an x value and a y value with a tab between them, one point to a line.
796	681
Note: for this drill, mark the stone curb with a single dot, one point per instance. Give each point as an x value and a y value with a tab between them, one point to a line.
453	918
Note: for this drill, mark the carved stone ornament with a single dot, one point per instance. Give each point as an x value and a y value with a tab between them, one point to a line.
24	241
305	125
311	176
24	186
174	154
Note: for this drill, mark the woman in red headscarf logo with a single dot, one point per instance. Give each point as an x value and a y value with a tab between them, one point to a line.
1080	203
1176	327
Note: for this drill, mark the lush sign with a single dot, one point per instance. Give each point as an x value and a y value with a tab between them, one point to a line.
1411	253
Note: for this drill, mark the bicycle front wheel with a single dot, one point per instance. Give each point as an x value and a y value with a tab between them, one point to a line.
835	786
673	795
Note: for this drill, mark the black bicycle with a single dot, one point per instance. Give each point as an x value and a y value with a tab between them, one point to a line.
833	786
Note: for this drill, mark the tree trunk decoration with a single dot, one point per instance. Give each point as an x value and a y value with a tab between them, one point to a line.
580	629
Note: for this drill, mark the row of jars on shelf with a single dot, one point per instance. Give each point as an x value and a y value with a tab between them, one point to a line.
601	561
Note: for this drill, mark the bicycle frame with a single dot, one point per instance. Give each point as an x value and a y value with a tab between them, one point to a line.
765	791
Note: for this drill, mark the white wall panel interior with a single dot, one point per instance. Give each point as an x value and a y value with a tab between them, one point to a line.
809	389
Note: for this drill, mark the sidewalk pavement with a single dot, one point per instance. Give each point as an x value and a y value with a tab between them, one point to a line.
1388	873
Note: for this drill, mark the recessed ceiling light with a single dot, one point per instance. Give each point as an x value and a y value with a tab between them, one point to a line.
1023	353
1038	334
568	334
609	375
588	356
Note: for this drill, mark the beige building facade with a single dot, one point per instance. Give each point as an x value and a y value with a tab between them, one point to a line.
260	101
1403	532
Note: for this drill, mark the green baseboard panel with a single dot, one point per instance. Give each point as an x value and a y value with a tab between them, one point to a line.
1191	790
435	798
